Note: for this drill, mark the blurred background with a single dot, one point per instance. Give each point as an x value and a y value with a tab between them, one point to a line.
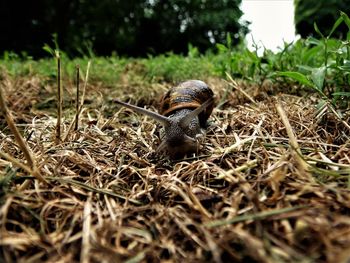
149	27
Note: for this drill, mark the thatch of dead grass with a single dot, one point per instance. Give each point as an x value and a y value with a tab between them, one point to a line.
271	183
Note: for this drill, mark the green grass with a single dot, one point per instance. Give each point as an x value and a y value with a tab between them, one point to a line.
169	67
321	64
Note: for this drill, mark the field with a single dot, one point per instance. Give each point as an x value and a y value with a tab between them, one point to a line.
270	184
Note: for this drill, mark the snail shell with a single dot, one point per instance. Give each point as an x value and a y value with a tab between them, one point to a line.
187	95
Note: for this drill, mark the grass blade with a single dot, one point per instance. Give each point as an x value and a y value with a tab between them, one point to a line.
301	78
94	189
335	26
257	216
77	99
317	76
346	19
59	99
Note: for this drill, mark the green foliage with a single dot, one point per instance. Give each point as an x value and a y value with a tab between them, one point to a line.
247	64
320	64
330	74
321	12
238	61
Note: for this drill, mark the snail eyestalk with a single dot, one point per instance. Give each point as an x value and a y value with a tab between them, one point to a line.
160	118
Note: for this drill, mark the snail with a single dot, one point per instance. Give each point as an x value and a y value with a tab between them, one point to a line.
183	113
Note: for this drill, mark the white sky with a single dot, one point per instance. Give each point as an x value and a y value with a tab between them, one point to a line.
272	21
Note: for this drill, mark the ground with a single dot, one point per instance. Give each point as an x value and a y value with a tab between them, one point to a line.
270	184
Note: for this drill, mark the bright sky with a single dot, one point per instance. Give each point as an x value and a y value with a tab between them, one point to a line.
272	21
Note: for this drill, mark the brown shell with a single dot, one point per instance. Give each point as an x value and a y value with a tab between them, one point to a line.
187	95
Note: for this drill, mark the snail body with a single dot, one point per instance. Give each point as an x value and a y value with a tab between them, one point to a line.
183	112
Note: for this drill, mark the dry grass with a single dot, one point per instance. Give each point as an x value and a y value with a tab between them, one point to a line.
271	184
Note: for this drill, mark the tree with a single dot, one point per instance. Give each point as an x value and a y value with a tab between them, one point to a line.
171	25
324	13
133	27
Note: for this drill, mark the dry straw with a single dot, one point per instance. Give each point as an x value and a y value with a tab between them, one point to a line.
32	169
59	98
269	185
77	100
